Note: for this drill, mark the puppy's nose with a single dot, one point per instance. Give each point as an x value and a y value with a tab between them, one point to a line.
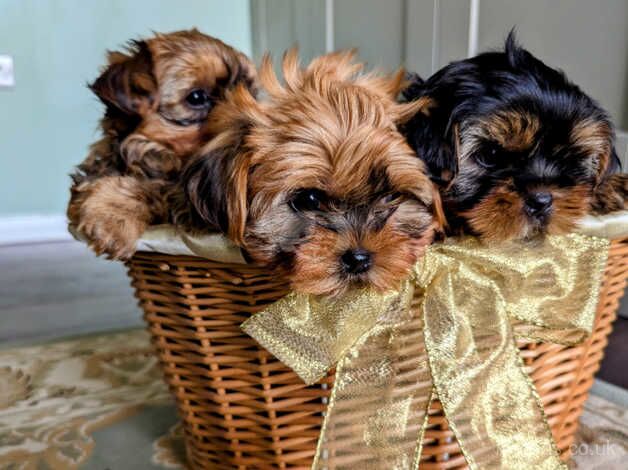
538	203
356	261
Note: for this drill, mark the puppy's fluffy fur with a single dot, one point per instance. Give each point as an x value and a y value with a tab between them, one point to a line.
518	150
158	94
316	180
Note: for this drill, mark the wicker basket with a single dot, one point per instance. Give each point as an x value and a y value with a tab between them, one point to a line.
243	409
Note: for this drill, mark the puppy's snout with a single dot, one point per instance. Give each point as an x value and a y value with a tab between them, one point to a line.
356	261
538	204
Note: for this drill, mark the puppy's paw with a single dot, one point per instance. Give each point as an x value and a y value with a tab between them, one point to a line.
111	214
112	235
611	195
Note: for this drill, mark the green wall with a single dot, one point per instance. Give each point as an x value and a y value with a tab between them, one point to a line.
49	118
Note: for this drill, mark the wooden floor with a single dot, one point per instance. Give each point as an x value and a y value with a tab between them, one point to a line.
54	290
57	290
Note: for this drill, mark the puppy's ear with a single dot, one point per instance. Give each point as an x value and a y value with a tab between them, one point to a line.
242	71
431	137
128	84
215	185
215	181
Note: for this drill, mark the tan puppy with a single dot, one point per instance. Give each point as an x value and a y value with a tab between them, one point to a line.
158	95
316	180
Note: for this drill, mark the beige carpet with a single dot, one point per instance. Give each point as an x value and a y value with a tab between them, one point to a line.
602	440
98	402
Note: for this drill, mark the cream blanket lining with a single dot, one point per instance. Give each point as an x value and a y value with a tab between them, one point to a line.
165	239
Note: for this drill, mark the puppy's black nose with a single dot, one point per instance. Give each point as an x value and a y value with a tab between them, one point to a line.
538	204
356	261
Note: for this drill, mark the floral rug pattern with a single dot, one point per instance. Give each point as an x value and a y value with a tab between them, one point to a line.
99	402
54	396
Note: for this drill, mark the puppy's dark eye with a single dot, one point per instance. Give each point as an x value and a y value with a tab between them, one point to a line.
308	200
489	155
198	98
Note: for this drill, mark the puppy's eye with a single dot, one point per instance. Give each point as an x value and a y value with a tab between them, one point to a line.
488	157
198	98
308	200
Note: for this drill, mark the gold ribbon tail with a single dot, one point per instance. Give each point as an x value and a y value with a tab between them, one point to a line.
472	299
377	413
486	395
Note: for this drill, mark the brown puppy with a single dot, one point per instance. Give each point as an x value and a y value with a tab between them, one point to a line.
316	180
158	94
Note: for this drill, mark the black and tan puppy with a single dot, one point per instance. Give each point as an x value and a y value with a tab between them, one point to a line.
518	150
158	95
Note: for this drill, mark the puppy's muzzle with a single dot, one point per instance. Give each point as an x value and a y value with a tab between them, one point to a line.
356	261
538	205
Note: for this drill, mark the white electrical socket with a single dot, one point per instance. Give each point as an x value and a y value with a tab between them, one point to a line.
7	79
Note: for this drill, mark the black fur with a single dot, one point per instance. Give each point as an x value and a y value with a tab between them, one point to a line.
117	86
204	204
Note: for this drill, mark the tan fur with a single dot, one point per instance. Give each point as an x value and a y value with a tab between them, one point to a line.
595	138
570	205
611	195
143	149
514	131
500	216
114	209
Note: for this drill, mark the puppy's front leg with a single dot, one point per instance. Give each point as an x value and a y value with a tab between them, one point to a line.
113	212
611	195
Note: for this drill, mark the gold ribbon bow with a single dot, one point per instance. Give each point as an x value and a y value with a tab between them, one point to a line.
450	330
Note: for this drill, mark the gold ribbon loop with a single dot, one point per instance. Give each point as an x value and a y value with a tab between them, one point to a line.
311	334
458	338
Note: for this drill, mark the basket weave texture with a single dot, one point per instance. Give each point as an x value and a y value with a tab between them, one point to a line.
243	409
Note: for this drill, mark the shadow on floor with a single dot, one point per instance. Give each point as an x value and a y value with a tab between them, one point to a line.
614	367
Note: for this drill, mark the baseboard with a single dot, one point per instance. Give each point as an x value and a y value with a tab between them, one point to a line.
17	230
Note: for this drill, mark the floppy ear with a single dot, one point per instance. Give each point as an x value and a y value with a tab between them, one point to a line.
215	185
128	84
242	71
215	181
430	135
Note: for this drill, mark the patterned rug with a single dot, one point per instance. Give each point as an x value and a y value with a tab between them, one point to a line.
98	402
